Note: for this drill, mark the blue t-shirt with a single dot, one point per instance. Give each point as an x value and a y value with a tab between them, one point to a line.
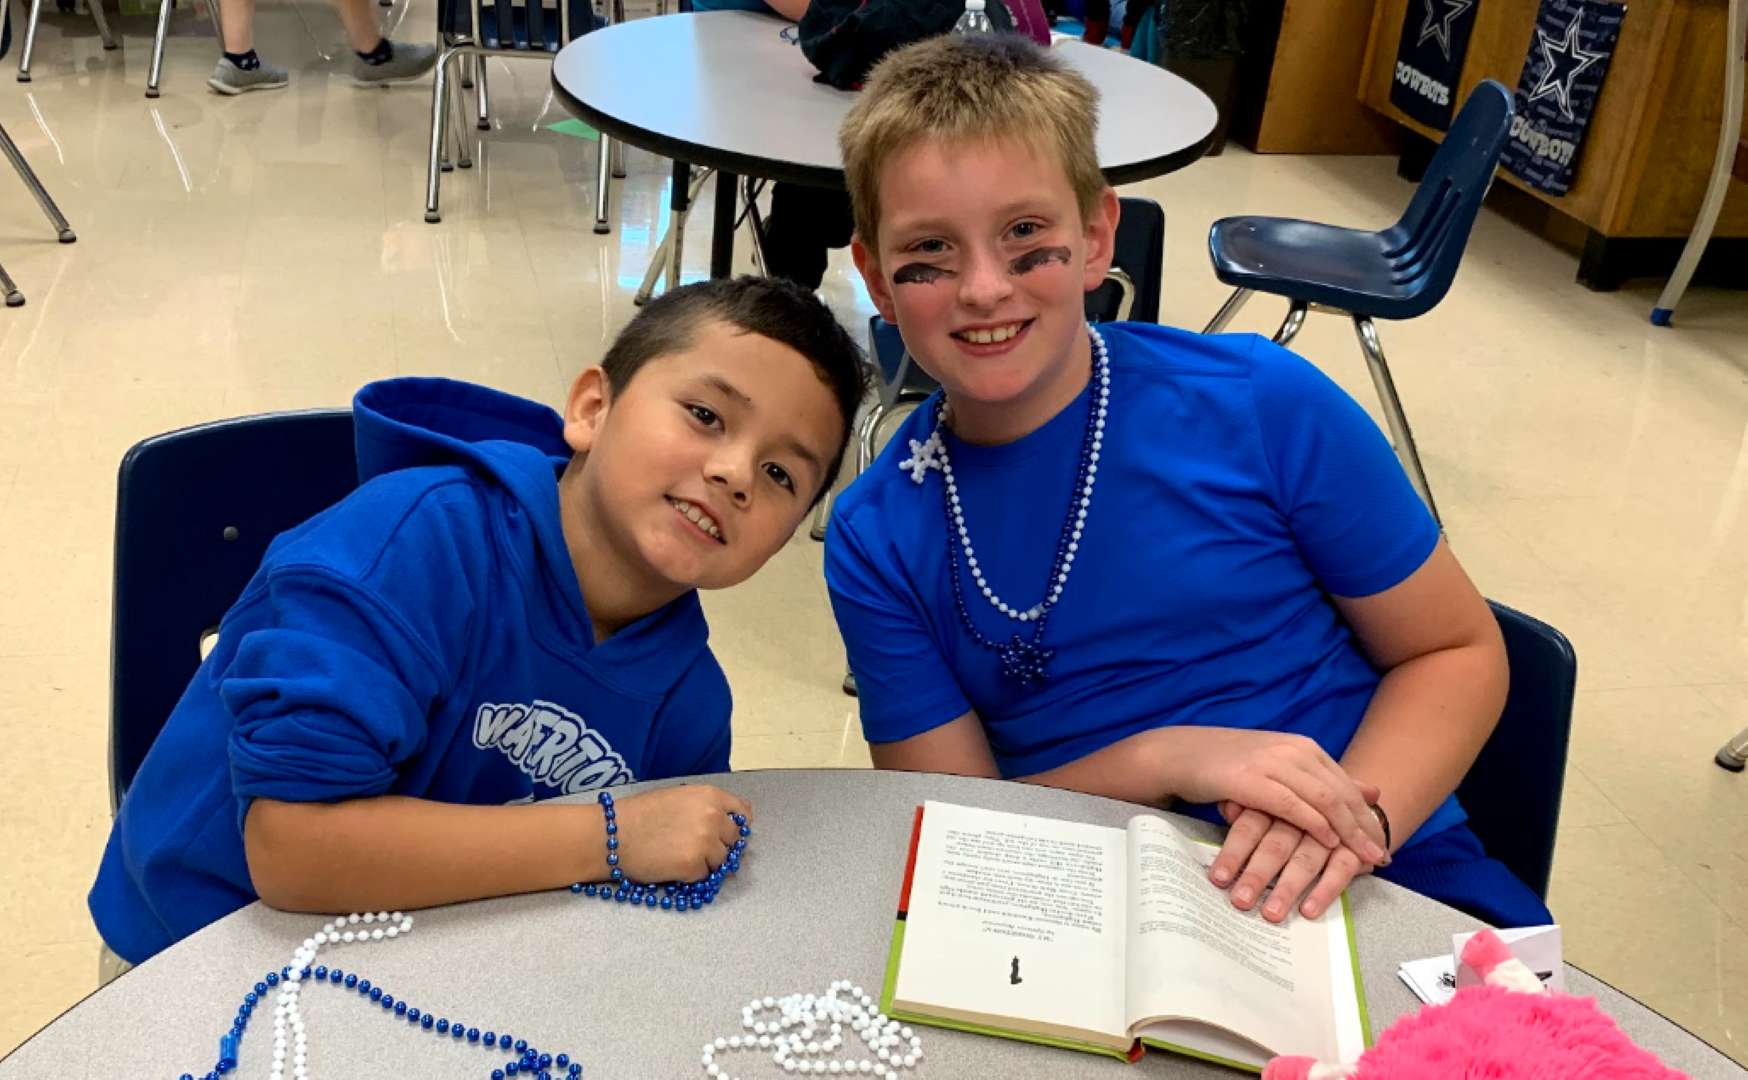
426	637
1237	489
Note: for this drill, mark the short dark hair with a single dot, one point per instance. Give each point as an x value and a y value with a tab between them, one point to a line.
769	307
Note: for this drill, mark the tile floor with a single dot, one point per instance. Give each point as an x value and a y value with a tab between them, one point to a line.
266	252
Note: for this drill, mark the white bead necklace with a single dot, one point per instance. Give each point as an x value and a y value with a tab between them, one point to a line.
379	926
932	453
820	1021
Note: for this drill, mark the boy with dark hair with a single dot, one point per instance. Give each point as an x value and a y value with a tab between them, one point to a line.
506	610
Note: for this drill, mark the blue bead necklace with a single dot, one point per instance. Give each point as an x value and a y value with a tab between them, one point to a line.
529	1061
673	895
1022	659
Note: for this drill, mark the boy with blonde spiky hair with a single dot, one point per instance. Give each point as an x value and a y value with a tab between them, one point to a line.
1130	560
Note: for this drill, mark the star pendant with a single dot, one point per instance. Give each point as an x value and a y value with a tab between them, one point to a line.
1023	661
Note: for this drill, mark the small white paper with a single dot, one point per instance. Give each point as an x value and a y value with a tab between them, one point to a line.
1537	946
1433	980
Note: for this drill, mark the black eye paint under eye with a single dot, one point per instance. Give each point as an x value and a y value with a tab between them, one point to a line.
1037	257
921	274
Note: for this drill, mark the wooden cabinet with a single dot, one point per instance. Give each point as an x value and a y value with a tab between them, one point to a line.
1649	149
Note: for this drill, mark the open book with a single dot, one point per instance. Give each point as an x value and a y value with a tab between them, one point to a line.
1103	939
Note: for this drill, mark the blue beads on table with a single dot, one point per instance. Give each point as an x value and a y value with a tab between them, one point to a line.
427	1021
497	1074
363	987
272	978
521	1046
375	992
442	1027
336	975
322	972
491	1039
351	982
400	1008
413	1016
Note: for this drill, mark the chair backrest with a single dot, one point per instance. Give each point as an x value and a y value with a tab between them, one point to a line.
1512	793
1138	261
194	512
1426	245
1130	291
517	26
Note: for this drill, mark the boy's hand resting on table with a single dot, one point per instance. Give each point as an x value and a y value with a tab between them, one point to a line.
1285	777
1258	847
677	833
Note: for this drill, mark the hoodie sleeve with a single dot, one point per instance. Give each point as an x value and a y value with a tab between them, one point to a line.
331	665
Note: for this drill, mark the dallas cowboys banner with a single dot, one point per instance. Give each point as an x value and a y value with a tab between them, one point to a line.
1435	37
1562	78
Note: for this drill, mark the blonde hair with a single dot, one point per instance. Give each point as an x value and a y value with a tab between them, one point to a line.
966	90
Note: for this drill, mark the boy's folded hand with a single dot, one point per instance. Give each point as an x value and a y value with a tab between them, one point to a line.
1284	776
1261	850
677	833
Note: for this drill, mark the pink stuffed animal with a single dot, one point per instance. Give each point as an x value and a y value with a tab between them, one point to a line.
1509	1028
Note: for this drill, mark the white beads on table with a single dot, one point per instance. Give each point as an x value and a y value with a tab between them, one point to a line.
285	1011
807	1032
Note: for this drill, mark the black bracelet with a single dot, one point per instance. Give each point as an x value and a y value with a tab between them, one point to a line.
1384	821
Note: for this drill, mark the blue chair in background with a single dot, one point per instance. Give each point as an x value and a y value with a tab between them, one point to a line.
195	510
1512	792
469	32
1399	273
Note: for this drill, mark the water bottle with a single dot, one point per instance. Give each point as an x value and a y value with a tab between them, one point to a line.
974	21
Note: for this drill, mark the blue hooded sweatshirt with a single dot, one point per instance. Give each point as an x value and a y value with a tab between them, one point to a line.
425	637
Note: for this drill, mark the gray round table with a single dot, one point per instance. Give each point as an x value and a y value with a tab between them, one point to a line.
724	89
636	994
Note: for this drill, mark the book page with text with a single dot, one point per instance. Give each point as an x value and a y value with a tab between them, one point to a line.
1193	955
1015	917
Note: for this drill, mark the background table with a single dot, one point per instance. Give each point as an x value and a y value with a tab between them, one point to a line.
723	89
638	993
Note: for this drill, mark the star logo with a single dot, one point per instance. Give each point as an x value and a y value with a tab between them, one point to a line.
1566	60
1438	27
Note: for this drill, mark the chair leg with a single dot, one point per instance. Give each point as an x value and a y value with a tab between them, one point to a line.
484	123
1732	756
603	166
822	516
457	128
1393	415
658	262
155	74
29	49
63	231
1292	324
439	123
103	30
14	298
756	227
618	159
1228	310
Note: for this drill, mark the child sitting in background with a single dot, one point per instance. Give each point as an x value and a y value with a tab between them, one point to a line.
505	611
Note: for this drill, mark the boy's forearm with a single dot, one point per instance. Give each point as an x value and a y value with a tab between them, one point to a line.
1129	769
394	852
1426	723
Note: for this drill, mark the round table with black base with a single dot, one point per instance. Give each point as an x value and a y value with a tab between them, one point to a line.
637	993
729	91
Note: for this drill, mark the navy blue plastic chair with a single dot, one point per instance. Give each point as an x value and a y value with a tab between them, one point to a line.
1512	792
194	512
472	30
1399	273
